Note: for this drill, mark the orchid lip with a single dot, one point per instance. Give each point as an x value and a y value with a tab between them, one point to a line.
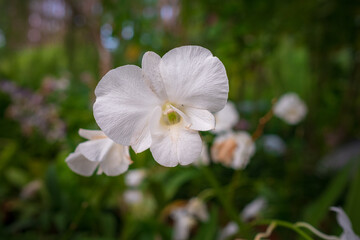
170	116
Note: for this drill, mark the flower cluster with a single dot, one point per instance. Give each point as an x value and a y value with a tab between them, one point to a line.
160	106
290	108
231	148
185	217
98	152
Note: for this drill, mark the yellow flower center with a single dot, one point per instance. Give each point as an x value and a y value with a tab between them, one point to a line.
170	116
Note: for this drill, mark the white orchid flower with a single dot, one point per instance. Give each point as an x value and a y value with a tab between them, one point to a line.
100	151
134	177
164	104
233	149
226	118
290	108
345	224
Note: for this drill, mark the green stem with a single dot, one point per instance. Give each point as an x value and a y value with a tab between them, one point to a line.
287	225
230	211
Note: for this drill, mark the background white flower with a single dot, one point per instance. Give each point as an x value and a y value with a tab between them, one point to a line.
273	143
197	208
164	104
229	230
226	118
251	210
233	149
183	222
134	177
112	159
345	224
133	197
290	108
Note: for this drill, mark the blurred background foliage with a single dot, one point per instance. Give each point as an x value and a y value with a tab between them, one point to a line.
53	53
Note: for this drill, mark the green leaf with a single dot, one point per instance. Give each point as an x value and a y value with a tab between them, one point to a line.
108	225
7	153
352	202
177	180
16	176
317	210
208	229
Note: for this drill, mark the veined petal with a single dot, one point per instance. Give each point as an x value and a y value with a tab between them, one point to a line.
150	67
123	102
174	144
141	139
201	120
116	160
80	164
95	150
196	119
194	77
91	134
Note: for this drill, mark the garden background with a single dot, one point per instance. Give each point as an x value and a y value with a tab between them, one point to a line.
54	52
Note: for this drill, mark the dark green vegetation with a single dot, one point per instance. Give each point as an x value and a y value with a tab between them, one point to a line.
50	67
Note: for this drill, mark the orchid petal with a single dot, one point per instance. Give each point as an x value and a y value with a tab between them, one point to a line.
95	150
123	104
150	67
91	134
116	161
194	77
80	164
345	224
174	144
201	120
142	137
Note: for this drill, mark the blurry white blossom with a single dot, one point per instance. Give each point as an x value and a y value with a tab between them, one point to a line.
30	189
197	208
345	224
226	118
112	159
290	108
233	149
253	208
134	177
183	222
185	217
133	197
229	230
163	105
274	144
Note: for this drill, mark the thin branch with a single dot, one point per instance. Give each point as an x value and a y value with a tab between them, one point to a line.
266	234
263	121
